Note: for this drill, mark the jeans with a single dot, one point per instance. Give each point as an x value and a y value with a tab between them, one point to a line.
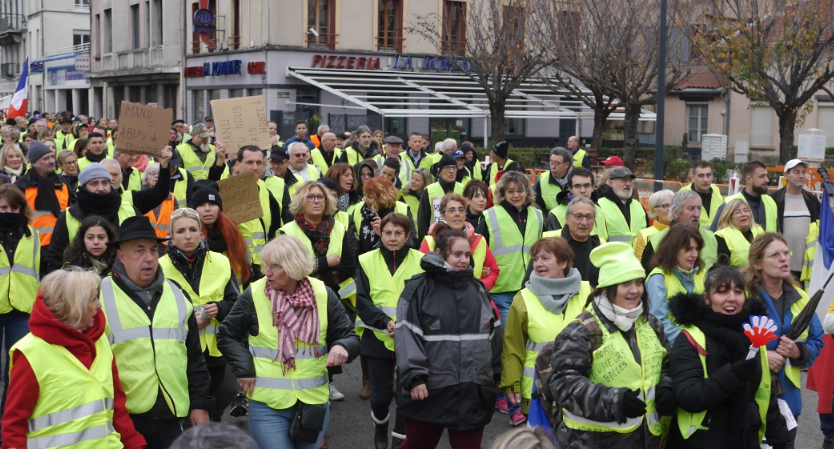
420	435
271	428
503	301
159	433
827	424
13	326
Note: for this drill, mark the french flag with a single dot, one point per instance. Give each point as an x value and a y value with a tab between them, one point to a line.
18	106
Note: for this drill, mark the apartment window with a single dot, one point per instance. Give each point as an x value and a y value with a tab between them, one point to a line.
321	16
157	13
697	121
82	3
199	104
514	126
514	25
234	39
107	32
255	92
147	23
235	93
454	27
568	26
761	129
80	38
134	26
97	31
390	25
198	38
826	121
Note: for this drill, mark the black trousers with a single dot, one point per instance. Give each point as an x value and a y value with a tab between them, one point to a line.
381	374
159	433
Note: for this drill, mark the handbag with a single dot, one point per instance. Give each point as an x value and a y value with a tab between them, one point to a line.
308	422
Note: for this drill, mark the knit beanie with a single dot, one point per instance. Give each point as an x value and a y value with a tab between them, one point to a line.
37	150
205	195
501	149
92	171
329	183
446	161
617	263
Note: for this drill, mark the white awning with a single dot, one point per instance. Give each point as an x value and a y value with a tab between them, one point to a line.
393	94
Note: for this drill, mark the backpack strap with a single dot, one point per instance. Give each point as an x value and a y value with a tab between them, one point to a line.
701	350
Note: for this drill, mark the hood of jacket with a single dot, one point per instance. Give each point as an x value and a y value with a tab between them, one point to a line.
435	266
688	308
44	324
467	227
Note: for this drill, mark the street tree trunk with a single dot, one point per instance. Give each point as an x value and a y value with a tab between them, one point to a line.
601	114
496	109
630	140
787	126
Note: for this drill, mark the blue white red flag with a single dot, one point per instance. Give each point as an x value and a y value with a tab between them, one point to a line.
18	106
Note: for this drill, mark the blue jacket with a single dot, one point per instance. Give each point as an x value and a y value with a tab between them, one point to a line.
294	139
659	303
810	349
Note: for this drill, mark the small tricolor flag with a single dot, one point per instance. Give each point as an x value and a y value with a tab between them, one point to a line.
18	106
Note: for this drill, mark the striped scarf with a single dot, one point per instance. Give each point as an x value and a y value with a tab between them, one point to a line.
296	317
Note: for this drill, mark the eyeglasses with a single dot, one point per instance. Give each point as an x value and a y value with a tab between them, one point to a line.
71	162
397	234
315	199
741	212
516	192
450	168
187	211
274	267
664	205
779	254
581	186
580	218
300	155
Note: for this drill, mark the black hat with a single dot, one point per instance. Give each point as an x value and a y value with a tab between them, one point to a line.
466	148
205	195
208	119
136	227
11	121
175	158
446	161
179	120
501	149
329	183
66	120
279	154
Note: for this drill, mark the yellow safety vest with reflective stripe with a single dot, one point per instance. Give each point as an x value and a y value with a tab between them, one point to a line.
793	372
688	422
353	156
709	253
192	164
320	162
478	254
149	353
126	210
674	286
614	366
308	381
181	189
111	147
549	191
406	168
216	273
474	172
413	203
276	186
75	404
255	231
436	194
312	173
561	210
511	250
399	208
810	251
543	326
618	229
385	289
715	202
347	289
19	281
770	210
493	171
737	244
82	164
578	157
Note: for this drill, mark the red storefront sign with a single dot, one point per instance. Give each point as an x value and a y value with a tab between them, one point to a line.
345	62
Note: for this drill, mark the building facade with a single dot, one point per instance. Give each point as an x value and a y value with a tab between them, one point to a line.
13	42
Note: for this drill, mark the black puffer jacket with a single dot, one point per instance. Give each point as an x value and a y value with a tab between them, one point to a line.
716	393
435	310
242	322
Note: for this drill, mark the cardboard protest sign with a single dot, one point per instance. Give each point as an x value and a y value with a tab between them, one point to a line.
241	121
241	201
143	129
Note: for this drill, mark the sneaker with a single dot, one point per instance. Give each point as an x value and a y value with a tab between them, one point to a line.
336	395
502	406
323	442
517	418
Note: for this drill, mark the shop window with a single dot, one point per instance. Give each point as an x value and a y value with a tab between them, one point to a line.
235	93
761	129
697	121
514	126
321	16
390	25
454	27
255	92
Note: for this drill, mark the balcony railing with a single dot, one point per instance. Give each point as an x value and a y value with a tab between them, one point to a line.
323	40
11	23
390	43
82	48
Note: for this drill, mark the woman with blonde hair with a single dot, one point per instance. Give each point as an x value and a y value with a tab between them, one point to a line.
420	179
736	230
659	204
12	162
380	200
287	328
67	161
66	365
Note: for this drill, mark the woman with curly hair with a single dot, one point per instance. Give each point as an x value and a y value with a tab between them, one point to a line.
89	247
380	200
221	233
345	178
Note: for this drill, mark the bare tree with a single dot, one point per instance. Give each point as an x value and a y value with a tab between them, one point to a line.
489	45
775	52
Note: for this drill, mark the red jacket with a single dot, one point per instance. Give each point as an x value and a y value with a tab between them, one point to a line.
489	260
23	386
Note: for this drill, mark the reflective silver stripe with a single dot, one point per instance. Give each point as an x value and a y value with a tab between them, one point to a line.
153	225
359	323
347	290
495	231
650	394
300	353
405	323
109	299
811	245
183	306
290	384
118	336
210	329
535	347
389	310
168	334
630	422
617	238
248	241
40	213
528	372
68	439
653	418
259	235
458	337
65	416
5	270
163	227
258	248
27	271
193	169
45	229
182	203
503	251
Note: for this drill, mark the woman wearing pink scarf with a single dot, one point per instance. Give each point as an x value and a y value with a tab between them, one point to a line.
296	328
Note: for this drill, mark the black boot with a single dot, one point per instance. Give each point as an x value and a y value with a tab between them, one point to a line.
396	442
380	432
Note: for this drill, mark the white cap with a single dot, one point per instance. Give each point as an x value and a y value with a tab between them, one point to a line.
793	163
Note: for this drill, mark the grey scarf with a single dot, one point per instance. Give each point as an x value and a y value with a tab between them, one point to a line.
155	286
555	293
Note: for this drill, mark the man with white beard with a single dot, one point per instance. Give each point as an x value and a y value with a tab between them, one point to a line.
202	160
624	217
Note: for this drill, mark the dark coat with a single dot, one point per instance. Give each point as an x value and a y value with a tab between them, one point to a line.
714	394
435	309
811	202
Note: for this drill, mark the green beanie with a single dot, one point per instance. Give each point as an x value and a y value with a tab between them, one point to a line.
617	263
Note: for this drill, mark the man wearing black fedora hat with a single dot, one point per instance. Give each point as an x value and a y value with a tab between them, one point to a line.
154	335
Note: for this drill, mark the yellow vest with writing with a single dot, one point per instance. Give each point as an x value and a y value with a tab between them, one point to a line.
149	353
216	273
308	381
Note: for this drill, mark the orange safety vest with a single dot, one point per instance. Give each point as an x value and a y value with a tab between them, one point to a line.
43	220
162	223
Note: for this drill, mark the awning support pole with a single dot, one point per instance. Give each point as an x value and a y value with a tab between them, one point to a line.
485	132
